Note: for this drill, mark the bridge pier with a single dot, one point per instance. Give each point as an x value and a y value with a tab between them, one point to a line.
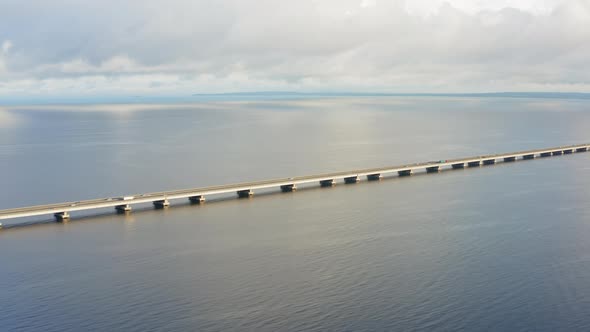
287	188
327	183
245	193
197	199
61	216
405	172
351	179
161	204
509	159
433	169
123	208
60	211
374	177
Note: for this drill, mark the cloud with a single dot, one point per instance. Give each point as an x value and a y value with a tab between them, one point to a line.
535	7
112	47
6	46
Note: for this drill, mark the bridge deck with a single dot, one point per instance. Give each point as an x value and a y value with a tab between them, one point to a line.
232	188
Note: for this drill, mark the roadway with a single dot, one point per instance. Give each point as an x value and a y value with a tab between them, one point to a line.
61	208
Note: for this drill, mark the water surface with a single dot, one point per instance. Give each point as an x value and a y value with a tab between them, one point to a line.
494	248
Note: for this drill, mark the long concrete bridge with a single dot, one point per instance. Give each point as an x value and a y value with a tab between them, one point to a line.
61	211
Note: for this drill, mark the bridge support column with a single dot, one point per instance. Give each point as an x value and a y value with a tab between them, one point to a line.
405	172
62	216
351	179
545	154
287	188
197	199
245	193
433	169
327	183
161	204
581	149
458	166
528	156
474	164
509	159
489	161
568	151
374	177
557	153
123	208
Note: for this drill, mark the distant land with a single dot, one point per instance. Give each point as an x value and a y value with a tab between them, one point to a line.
557	95
267	95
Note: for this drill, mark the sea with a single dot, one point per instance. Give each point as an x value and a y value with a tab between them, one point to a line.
495	248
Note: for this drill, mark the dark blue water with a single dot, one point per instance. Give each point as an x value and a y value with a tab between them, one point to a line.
500	248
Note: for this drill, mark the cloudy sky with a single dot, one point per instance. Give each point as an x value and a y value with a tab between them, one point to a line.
179	47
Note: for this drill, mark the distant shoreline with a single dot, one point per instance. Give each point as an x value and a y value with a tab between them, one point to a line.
560	95
276	95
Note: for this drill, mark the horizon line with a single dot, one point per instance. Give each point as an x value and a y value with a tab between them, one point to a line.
107	99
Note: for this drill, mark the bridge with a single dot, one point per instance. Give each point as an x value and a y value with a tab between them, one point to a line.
61	211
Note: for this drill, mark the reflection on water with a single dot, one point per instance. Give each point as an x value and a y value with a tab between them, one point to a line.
103	151
494	248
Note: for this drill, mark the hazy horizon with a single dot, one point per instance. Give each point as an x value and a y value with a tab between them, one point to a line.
271	95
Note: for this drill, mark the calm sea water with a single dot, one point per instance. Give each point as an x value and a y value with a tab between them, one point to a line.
495	248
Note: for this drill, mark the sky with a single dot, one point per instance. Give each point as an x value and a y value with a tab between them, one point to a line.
65	48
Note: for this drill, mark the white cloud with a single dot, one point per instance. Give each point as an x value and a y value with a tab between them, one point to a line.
429	7
368	3
116	64
6	46
353	45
